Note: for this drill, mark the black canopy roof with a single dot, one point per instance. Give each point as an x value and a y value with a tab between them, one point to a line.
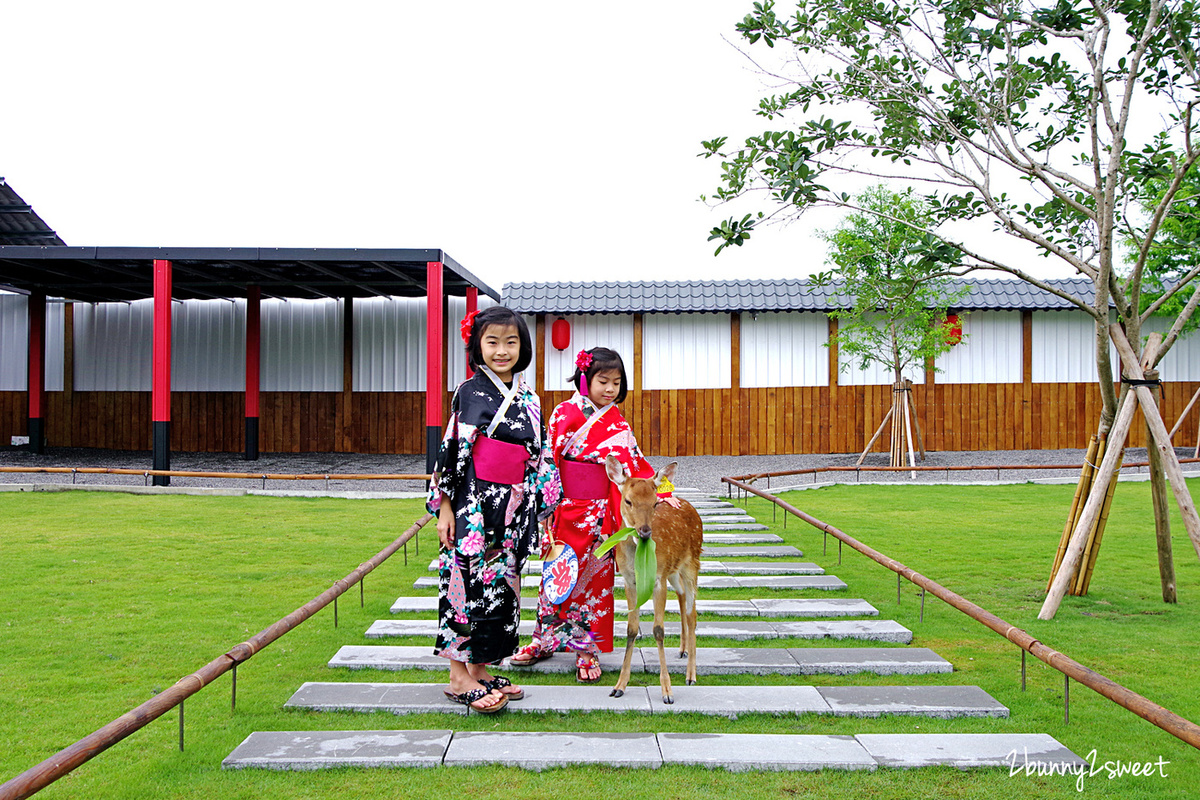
99	274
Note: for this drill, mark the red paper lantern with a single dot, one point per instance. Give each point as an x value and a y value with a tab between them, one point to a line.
954	329
560	334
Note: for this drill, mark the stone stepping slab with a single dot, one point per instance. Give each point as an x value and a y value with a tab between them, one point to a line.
739	538
721	510
709	660
777	582
766	551
713	568
765	607
733	525
739	752
943	702
865	630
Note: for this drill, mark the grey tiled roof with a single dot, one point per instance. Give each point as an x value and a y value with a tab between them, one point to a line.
625	297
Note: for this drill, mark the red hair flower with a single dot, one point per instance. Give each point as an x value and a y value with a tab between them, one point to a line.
466	325
583	360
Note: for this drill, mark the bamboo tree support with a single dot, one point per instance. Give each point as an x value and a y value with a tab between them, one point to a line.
908	384
1092	549
912	460
1095	452
1162	509
1161	441
1187	508
1091	508
878	431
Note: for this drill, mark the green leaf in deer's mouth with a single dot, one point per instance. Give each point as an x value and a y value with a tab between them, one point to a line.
645	565
611	541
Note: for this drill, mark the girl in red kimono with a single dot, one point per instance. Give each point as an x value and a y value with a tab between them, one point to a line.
582	432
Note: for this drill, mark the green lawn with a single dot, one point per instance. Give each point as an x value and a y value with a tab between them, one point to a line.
107	599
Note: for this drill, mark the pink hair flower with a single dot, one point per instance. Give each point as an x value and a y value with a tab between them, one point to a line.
466	325
583	360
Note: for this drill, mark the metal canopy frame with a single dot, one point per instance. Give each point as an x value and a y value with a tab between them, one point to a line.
117	274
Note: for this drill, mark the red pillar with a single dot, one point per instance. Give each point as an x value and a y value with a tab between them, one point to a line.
435	380
37	372
253	347
472	306
160	399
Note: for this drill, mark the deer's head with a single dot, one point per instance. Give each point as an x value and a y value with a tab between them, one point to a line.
639	496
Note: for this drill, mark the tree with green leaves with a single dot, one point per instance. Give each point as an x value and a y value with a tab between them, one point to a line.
1043	117
897	299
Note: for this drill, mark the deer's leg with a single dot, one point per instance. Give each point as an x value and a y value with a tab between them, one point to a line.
632	626
676	584
687	626
660	611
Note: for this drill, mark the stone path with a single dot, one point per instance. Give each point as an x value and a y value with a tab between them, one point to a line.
739	752
787	617
944	702
881	630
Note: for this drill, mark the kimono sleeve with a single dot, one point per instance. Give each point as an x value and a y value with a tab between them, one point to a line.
454	455
549	485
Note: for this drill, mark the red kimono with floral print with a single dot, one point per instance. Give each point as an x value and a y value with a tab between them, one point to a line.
584	621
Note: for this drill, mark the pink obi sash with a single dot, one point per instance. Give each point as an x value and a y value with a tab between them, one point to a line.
499	462
582	480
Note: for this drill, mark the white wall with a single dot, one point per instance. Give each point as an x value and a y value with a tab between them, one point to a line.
614	331
14	344
784	348
208	346
389	344
1064	347
990	351
686	351
301	345
113	346
1182	361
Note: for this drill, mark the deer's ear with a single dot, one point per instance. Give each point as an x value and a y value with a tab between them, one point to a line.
615	470
667	472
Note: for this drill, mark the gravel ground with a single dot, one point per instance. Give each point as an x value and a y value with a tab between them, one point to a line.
701	472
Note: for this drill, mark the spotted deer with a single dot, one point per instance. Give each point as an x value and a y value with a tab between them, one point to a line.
678	536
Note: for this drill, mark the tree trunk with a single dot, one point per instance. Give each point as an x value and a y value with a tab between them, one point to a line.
1162	518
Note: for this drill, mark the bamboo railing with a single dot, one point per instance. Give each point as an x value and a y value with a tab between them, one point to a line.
1169	721
64	761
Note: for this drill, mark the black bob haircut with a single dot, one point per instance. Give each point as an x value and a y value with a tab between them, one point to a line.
603	360
502	316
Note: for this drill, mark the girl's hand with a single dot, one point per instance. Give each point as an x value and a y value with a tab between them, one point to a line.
445	523
673	501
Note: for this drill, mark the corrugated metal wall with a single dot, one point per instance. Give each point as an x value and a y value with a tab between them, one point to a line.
1064	347
208	346
990	351
113	346
686	351
784	348
14	343
1182	363
389	344
614	331
301	345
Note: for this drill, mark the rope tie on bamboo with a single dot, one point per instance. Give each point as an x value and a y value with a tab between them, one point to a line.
1140	381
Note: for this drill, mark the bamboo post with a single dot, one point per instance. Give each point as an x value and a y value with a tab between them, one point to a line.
1092	550
912	459
908	384
1086	475
1091	509
878	431
1158	428
1162	509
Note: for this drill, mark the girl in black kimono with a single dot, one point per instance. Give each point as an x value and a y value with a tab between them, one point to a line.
495	480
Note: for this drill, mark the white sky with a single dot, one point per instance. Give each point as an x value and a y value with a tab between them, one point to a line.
531	142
